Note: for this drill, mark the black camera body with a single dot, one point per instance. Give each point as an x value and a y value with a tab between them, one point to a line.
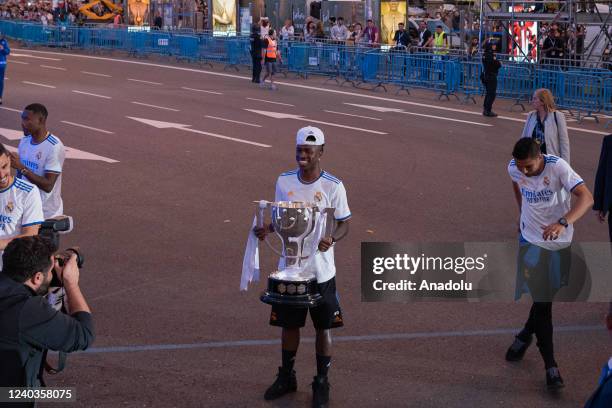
51	229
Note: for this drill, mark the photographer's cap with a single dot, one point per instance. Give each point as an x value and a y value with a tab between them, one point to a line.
310	135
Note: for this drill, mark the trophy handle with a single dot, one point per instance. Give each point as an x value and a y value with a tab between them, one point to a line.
272	248
330	224
261	208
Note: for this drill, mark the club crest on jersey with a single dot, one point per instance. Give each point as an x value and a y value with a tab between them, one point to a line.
10	207
546	181
318	196
38	155
290	194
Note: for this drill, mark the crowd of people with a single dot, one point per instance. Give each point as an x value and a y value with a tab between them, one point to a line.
554	43
66	12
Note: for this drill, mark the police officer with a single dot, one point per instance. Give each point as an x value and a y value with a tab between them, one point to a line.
491	67
256	52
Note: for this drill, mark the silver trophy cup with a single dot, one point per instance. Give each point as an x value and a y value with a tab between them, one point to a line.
298	226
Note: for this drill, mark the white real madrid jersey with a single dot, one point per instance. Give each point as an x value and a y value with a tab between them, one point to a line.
327	191
45	157
545	199
20	206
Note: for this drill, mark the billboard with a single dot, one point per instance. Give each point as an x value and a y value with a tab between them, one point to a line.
522	38
138	11
224	16
391	14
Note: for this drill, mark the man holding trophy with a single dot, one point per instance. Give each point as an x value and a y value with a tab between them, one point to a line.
306	277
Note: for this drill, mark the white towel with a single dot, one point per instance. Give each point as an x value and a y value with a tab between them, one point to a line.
250	263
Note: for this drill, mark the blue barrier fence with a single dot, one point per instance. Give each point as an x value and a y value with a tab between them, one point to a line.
581	90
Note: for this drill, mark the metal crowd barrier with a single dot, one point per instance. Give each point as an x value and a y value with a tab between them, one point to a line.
427	71
516	83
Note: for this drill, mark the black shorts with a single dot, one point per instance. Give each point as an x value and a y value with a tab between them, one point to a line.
326	315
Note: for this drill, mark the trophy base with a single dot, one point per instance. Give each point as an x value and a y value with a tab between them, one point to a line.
301	293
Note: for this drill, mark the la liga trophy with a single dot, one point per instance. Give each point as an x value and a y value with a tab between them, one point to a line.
299	226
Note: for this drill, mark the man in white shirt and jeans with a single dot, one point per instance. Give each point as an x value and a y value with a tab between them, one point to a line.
41	159
543	186
308	183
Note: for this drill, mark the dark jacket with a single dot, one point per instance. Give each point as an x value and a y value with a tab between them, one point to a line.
29	327
490	64
256	44
603	180
426	37
602	397
403	37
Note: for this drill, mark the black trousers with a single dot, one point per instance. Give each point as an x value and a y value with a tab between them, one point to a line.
540	324
491	88
256	68
610	223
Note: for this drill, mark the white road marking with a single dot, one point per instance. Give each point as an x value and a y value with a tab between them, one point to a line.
91	94
37	84
19	62
276	103
11	134
350	114
155	106
233	121
289	84
35	57
81	155
169	125
280	115
403	112
201	90
52	67
95	74
71	153
10	109
145	82
88	127
377	338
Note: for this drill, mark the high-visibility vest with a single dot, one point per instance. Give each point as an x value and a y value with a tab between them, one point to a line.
439	44
271	50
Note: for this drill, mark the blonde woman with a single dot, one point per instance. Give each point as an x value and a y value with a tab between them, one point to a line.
546	125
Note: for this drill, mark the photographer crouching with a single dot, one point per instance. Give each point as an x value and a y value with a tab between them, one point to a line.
29	326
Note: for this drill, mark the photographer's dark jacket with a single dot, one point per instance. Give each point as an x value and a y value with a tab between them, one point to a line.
29	327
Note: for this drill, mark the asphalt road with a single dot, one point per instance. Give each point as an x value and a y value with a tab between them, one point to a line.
166	160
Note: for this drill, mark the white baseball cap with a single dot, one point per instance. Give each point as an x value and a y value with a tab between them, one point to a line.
310	135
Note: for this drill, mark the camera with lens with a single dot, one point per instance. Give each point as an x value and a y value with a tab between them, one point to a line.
51	229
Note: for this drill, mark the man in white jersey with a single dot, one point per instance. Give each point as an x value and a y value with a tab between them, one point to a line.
309	183
543	186
41	158
20	205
